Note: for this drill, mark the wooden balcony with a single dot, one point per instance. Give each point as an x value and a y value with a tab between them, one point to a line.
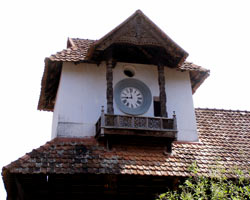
109	124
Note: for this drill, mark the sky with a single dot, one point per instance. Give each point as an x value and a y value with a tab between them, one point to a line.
215	33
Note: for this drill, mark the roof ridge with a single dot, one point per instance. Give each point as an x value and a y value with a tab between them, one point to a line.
82	39
221	109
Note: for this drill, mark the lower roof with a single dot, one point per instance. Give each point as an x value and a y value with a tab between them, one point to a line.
224	141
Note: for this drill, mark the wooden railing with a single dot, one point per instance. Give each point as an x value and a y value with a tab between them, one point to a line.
111	121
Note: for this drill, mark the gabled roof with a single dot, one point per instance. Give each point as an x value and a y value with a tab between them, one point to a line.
224	141
139	30
76	52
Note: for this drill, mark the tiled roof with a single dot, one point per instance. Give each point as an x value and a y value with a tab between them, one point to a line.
188	66
75	53
78	48
224	141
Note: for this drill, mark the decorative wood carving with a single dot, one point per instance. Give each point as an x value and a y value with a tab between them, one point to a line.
135	125
163	98
140	31
136	32
109	92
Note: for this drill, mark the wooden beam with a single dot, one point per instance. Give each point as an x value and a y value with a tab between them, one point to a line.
144	133
163	98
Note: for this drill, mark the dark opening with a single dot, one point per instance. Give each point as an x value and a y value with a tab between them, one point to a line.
129	73
157	107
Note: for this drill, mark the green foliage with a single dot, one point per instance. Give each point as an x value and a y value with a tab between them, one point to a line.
215	187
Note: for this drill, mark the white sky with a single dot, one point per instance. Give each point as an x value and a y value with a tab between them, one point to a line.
215	33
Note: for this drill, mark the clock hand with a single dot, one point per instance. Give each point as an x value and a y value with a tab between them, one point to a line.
125	97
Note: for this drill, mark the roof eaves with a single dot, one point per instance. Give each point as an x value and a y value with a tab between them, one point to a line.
46	100
202	78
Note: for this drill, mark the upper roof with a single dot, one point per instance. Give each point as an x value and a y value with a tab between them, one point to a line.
76	52
137	30
224	141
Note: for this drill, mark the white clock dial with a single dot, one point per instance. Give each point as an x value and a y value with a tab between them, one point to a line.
131	97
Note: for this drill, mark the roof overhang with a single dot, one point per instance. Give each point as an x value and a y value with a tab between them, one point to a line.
49	85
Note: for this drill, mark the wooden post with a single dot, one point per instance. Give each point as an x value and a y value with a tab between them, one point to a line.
163	98
102	117
102	125
175	183
20	191
175	121
109	92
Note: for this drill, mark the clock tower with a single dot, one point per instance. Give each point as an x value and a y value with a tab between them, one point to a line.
132	82
124	124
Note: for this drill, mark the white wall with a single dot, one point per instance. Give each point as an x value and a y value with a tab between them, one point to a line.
180	100
82	92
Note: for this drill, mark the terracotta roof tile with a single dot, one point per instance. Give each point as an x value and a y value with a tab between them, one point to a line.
77	51
221	142
188	66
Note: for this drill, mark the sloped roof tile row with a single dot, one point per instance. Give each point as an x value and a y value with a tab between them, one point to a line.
188	66
86	155
78	48
76	52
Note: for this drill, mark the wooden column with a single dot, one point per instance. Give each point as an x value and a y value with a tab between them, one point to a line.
109	92
163	98
20	191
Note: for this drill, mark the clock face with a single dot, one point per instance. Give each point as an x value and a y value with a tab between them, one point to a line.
131	97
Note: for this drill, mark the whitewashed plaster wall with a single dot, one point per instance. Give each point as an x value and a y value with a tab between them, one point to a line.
180	100
82	92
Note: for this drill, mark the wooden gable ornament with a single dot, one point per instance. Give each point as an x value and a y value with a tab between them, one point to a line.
138	36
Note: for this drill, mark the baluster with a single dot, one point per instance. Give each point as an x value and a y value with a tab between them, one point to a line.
133	122
161	124
174	121
118	121
147	122
102	117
